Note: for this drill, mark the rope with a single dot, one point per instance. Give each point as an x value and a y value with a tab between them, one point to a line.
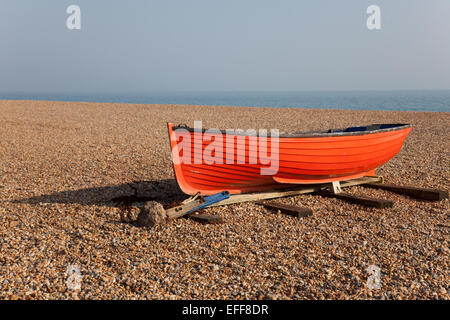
192	198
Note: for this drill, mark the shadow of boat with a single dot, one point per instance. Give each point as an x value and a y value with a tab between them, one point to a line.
164	191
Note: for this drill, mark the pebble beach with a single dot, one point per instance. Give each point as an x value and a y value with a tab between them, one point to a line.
62	162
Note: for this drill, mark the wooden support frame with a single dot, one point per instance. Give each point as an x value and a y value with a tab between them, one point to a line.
413	192
304	189
195	203
336	187
329	190
365	201
184	209
295	211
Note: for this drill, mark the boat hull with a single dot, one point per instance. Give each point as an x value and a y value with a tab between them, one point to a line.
303	159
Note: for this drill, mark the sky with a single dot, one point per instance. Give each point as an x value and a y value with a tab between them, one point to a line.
218	45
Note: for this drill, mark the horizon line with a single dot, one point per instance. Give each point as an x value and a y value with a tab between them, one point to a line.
211	91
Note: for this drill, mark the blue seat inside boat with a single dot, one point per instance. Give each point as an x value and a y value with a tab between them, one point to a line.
353	129
371	127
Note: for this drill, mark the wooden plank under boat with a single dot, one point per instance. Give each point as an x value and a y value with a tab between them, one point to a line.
302	158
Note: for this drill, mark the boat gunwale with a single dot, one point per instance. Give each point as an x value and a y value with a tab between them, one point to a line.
311	134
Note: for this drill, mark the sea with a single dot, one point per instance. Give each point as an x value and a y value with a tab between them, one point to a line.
426	100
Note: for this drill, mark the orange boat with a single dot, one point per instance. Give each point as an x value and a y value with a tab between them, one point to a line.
211	161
